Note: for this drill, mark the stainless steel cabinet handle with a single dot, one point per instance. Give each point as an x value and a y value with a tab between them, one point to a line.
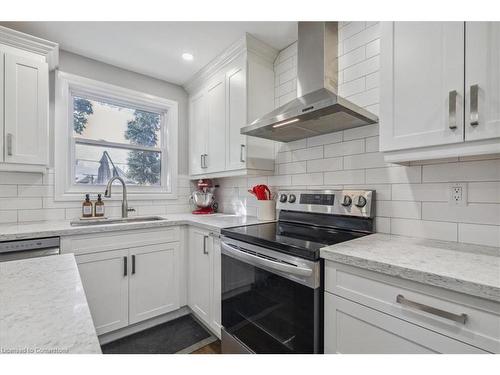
133	264
205	156
201	161
125	266
242	153
462	318
9	144
452	110
474	105
205	251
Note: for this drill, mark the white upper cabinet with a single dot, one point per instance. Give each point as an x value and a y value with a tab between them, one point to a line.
26	91
25	62
227	94
440	90
422	84
482	80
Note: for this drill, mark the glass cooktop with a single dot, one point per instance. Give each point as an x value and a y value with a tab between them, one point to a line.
300	240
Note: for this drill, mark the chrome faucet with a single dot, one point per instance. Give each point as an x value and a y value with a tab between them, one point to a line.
107	194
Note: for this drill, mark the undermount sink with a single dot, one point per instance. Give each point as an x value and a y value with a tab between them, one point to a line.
136	219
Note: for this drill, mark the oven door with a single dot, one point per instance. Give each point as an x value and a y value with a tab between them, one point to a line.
271	302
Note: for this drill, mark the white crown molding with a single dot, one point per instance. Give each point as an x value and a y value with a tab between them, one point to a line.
30	43
246	44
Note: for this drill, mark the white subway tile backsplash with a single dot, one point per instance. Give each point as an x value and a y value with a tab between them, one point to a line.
14	178
488	235
373	48
308	153
352	87
372	80
400	209
393	175
367	160
437	230
361	132
41	214
362	38
473	213
350	29
20	203
420	192
345	148
293	168
352	58
361	69
35	191
345	177
487	170
324	139
372	144
8	191
484	192
323	165
307	179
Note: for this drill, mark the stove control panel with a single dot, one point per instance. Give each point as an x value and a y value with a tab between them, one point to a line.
359	203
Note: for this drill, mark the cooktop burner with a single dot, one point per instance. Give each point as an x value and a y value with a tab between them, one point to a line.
300	240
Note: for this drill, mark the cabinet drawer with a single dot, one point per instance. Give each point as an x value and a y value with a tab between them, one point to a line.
352	328
380	292
91	243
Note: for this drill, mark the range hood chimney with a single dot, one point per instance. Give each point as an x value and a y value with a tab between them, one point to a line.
318	109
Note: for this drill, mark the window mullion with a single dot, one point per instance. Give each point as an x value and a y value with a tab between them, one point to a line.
92	142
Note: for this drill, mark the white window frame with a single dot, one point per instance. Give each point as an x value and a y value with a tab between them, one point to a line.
68	85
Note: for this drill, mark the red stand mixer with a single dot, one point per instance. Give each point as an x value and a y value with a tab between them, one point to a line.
203	197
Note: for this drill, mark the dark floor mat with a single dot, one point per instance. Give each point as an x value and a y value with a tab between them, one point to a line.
166	338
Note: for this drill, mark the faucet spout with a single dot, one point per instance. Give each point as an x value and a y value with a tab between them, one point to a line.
107	194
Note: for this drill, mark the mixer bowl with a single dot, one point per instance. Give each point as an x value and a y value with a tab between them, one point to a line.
202	199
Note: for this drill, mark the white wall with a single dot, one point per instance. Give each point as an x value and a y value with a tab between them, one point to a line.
411	200
29	196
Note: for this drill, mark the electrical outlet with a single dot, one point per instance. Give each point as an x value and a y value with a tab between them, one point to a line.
458	194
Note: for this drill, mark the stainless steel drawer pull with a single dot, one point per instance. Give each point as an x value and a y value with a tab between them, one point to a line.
205	250
474	105
452	110
125	266
9	144
242	153
462	318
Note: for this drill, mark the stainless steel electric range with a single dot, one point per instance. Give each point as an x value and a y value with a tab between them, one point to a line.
272	274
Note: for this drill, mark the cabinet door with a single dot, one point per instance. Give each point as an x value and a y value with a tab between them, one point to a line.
422	80
197	132
215	276
236	118
353	328
26	110
482	77
199	274
154	288
105	280
216	132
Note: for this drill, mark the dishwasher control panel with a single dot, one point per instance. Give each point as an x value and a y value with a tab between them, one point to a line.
31	244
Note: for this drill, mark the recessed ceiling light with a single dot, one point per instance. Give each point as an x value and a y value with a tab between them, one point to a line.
187	56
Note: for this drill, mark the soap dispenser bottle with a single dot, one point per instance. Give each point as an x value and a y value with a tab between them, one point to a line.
99	207
87	207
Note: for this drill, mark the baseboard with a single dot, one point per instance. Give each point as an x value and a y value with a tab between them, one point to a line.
204	325
138	327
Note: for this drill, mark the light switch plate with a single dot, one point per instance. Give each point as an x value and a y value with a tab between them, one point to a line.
458	194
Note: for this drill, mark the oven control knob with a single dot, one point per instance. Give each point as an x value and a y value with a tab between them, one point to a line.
283	198
347	201
292	198
360	201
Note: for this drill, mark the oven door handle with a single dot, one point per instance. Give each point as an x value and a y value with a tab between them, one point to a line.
255	260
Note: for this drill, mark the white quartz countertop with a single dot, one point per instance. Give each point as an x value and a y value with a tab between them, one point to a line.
43	308
468	269
215	222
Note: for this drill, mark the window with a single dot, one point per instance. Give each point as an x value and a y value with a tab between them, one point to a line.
110	131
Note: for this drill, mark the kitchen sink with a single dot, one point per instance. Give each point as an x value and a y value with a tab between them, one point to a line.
136	219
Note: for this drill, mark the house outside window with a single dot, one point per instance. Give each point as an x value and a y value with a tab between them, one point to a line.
104	131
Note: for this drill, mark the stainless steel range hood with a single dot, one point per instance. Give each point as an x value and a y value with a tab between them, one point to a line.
318	109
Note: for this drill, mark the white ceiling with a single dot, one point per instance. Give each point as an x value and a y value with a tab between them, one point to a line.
155	48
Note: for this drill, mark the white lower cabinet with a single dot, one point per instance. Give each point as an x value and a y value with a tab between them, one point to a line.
153	285
204	284
106	287
352	328
369	312
128	277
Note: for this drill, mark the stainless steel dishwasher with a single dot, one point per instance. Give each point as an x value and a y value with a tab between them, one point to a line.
32	248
